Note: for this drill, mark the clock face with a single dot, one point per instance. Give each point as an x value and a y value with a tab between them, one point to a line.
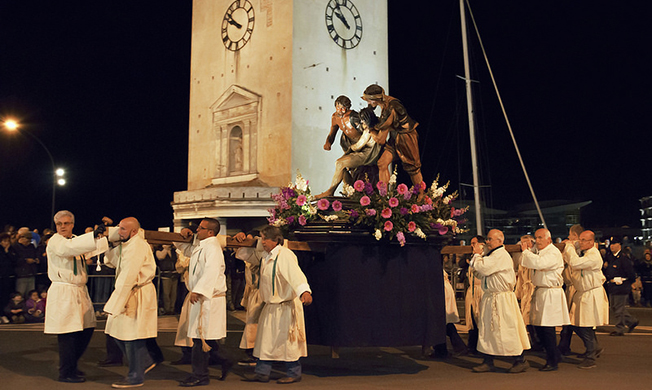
237	25
344	23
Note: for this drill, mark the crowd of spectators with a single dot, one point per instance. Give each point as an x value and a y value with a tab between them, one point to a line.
24	280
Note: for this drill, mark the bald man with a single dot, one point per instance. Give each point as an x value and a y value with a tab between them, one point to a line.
501	328
549	306
590	306
132	307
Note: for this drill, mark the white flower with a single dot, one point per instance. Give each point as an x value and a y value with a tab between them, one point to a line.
348	190
280	222
420	233
328	218
448	199
392	179
300	183
378	234
433	186
312	210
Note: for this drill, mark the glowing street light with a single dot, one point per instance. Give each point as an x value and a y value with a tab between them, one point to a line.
12	125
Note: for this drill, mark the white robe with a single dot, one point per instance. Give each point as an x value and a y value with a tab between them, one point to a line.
206	277
452	315
590	305
251	299
501	330
281	328
133	304
68	307
472	299
549	305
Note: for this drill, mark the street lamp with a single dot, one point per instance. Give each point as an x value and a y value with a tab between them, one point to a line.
12	125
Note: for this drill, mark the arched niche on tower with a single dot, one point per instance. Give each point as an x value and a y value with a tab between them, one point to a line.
236	115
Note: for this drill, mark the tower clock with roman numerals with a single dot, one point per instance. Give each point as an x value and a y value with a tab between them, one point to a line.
344	23
238	24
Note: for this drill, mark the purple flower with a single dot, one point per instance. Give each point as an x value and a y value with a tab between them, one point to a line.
389	226
359	185
301	200
404	211
354	214
337	205
370	212
386	213
382	188
368	188
290	219
302	220
393	202
402	189
364	201
400	237
407	195
288	192
323	204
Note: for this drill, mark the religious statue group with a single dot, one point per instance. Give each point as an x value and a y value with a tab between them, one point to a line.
371	144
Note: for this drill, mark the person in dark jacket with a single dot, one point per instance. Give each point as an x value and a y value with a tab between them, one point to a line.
644	270
26	264
8	259
619	271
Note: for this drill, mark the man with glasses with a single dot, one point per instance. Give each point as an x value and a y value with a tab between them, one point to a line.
69	311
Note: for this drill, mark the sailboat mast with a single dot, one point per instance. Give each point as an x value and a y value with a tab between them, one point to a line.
469	105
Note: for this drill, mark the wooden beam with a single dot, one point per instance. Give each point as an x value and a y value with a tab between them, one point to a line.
467	249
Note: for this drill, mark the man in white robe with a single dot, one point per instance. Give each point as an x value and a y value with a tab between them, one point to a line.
549	305
524	291
567	331
501	327
69	311
590	306
132	307
207	299
281	328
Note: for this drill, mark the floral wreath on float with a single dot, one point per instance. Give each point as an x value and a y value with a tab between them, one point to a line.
387	209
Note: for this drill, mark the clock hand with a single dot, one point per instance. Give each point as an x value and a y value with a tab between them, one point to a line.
234	23
340	16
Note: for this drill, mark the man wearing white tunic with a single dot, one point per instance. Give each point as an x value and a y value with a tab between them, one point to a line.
281	328
132	307
207	299
501	328
567	331
549	305
590	306
524	291
69	311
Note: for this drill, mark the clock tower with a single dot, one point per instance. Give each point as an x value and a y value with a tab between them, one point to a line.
264	78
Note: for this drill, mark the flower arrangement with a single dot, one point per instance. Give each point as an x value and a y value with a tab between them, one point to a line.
389	210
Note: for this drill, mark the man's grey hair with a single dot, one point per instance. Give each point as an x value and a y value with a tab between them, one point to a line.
64	213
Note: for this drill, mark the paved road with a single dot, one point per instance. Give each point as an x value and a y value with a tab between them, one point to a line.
28	360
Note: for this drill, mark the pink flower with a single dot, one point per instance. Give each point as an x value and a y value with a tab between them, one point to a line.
422	185
400	237
337	205
443	230
364	201
382	188
393	202
412	226
386	213
302	220
415	208
323	204
371	212
402	189
358	185
389	226
428	200
301	200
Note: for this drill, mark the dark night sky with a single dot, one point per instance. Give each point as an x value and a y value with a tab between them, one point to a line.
106	85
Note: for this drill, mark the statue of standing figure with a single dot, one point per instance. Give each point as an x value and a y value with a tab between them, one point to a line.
360	149
403	142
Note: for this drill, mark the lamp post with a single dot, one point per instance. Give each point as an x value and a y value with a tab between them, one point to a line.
12	125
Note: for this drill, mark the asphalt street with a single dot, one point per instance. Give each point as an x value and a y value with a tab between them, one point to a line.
29	358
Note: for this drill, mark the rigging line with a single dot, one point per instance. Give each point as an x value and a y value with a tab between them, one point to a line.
509	126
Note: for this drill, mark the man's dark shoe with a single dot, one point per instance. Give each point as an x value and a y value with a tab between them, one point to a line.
598	352
632	326
288	379
226	367
125	384
587	363
109	363
72	379
616	333
548	367
79	372
191	381
255	378
484	367
248	362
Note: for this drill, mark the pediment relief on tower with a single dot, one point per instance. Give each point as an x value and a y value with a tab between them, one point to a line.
236	115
